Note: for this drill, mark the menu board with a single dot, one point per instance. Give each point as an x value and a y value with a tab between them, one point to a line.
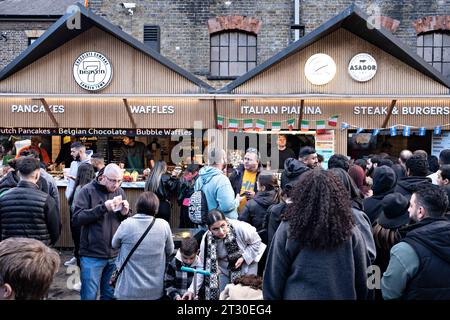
440	143
102	147
114	149
325	146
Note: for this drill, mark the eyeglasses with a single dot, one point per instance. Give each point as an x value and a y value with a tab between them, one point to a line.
119	181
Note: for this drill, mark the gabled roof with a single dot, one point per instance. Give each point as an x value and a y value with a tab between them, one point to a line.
355	21
58	34
35	8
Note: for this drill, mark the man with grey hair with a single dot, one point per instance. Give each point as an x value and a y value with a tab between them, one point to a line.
99	209
215	184
243	179
404	155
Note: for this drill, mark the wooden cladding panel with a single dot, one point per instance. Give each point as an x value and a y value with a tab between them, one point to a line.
133	71
65	239
393	76
346	109
109	113
405	107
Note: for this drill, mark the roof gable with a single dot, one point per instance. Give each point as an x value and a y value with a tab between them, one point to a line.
356	22
59	34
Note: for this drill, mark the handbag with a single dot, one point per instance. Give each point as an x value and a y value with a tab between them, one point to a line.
116	273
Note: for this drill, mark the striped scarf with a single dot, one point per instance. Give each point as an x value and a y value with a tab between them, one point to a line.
212	286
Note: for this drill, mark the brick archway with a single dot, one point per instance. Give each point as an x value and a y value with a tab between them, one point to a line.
432	23
222	23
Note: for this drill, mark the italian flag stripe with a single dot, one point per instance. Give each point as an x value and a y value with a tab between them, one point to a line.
304	125
248	123
276	125
233	123
333	121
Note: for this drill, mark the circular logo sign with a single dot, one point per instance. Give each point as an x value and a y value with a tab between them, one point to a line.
92	71
362	67
320	69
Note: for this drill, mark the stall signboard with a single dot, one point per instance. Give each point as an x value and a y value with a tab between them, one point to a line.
440	143
325	146
95	132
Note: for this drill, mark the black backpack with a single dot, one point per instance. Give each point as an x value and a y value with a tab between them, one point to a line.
198	207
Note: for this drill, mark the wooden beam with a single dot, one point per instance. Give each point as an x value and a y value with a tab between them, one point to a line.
215	113
50	114
300	117
388	116
127	107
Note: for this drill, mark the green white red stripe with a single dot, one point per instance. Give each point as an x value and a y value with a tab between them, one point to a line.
260	124
219	122
304	125
276	126
290	123
232	124
332	121
320	126
248	124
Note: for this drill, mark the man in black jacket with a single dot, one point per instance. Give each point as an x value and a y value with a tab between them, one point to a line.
243	179
99	208
419	267
417	170
26	211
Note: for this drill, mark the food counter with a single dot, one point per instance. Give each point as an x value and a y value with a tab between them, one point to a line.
132	191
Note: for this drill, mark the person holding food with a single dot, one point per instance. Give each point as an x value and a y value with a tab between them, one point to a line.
99	208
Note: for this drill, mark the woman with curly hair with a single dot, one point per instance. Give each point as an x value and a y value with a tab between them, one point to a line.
317	252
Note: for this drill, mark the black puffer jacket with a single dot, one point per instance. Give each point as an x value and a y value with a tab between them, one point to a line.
12	179
274	217
28	212
255	209
292	171
408	185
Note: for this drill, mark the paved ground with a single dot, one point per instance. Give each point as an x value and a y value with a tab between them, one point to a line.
64	280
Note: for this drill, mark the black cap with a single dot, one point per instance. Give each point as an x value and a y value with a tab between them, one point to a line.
395	211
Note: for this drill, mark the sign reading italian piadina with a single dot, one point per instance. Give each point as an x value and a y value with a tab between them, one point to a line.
356	110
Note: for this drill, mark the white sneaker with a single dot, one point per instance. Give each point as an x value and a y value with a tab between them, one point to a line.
77	286
72	261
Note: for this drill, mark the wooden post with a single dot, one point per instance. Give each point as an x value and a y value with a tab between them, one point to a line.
50	114
391	107
300	117
127	107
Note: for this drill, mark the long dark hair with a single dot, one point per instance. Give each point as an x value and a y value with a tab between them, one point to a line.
85	174
270	182
154	180
320	215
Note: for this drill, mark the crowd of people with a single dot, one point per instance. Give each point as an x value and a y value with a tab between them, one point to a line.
311	233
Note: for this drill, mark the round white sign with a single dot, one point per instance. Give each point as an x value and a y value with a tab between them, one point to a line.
320	69
92	71
362	67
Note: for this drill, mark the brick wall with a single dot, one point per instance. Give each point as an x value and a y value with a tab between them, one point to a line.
315	12
184	26
17	41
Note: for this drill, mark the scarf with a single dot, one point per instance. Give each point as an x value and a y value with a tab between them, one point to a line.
212	285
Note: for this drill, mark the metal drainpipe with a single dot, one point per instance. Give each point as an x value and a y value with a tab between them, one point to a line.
296	18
